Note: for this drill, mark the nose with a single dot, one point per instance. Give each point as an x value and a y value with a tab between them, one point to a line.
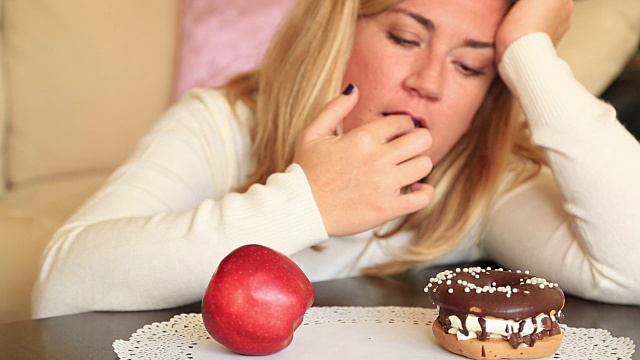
426	76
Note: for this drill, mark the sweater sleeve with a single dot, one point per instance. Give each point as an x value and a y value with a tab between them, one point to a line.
579	223
154	233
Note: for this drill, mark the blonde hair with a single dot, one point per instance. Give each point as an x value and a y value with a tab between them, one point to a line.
303	69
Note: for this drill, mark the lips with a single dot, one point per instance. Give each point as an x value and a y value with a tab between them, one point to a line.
417	121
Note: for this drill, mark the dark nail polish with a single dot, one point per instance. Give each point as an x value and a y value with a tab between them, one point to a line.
416	123
349	90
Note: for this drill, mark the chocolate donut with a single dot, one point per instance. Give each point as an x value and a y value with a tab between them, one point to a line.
485	313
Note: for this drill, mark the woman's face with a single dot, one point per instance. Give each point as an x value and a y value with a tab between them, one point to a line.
431	59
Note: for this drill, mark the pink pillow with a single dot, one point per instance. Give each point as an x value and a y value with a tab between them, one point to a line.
220	38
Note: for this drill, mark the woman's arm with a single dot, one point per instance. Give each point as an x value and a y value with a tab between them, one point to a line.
578	225
153	235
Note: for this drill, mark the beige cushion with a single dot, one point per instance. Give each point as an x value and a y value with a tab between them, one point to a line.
86	79
28	217
3	108
604	35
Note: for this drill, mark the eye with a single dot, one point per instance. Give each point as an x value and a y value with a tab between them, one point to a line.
470	71
402	41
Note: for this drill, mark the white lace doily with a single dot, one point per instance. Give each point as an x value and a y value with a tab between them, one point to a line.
347	333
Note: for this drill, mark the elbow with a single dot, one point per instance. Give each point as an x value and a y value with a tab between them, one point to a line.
609	285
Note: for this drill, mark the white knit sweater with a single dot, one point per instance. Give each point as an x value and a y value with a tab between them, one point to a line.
153	235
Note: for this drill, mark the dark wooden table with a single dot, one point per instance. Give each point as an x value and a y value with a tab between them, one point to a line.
90	335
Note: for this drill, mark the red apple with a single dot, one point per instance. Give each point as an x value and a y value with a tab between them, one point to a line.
255	301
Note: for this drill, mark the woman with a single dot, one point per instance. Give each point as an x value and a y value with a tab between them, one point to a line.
424	158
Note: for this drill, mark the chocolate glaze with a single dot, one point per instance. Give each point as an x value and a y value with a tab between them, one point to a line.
504	294
529	300
483	325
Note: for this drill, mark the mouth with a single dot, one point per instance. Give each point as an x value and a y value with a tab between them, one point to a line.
418	122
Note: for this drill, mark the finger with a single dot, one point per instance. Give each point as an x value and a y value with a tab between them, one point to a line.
334	113
390	127
413	170
414	143
420	196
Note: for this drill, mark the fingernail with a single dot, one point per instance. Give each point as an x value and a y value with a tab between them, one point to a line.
348	90
416	123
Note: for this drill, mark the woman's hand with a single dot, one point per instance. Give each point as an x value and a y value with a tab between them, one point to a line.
528	16
368	176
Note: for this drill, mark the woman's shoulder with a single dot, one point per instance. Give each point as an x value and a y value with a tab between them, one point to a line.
203	108
215	102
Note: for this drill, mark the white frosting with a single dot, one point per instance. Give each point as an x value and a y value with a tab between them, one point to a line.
495	327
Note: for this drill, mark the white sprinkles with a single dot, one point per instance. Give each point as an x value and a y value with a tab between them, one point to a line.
447	277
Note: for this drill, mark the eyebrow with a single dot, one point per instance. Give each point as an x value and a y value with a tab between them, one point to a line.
429	25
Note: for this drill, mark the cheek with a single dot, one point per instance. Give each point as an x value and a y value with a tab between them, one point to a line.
371	95
379	88
351	122
459	114
377	77
465	101
356	67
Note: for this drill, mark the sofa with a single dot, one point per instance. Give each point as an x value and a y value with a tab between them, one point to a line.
82	81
